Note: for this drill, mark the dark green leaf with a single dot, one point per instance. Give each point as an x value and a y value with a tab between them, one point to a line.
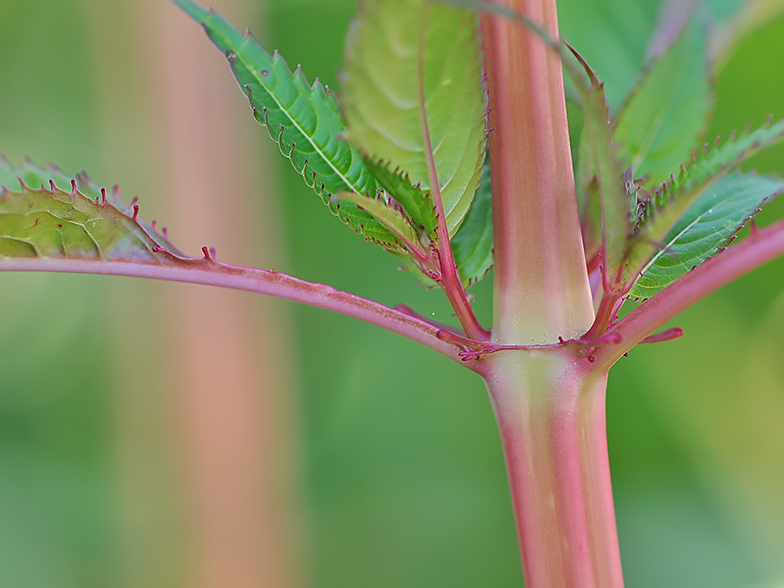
674	198
416	202
473	244
303	119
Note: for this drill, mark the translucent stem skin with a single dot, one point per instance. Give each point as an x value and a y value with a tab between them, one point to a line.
541	282
551	415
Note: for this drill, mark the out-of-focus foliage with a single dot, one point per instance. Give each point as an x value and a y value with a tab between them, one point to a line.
405	479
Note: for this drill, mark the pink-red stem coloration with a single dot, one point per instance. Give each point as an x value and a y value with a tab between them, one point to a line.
549	404
551	415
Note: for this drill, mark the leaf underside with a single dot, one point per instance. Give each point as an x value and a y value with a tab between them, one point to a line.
303	119
72	219
708	227
407	60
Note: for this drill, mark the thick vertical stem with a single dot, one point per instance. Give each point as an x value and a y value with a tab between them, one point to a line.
551	415
542	289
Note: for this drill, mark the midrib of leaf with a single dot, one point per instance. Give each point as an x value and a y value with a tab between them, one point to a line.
673	239
732	200
327	164
675	198
349	183
397	81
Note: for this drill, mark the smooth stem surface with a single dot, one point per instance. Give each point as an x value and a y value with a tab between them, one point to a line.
551	415
541	282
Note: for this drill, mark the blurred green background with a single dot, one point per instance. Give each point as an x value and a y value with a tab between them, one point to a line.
357	458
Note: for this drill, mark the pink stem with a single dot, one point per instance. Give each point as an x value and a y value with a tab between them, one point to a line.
541	282
270	282
552	424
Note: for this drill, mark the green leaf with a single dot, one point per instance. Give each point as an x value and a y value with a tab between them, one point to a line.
600	165
392	215
661	122
53	222
303	119
706	228
416	202
674	198
407	61
613	36
472	246
588	197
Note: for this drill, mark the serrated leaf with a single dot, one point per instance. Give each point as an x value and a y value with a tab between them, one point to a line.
472	246
394	218
674	198
411	60
602	161
706	228
661	122
588	197
303	119
49	222
33	176
416	202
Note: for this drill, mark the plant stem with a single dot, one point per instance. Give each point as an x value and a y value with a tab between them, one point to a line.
541	282
270	282
549	403
551	415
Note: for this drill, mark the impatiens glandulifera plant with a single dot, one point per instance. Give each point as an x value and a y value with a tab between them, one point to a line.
448	146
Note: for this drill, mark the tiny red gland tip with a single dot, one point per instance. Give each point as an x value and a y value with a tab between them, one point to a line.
206	253
135	211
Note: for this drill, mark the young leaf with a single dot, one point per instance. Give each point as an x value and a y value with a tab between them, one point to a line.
412	67
303	119
392	215
473	243
416	202
68	224
674	198
29	176
588	197
706	228
661	122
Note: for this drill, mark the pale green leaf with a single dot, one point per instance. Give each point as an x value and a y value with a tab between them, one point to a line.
407	61
38	218
663	119
30	175
391	214
708	226
303	119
